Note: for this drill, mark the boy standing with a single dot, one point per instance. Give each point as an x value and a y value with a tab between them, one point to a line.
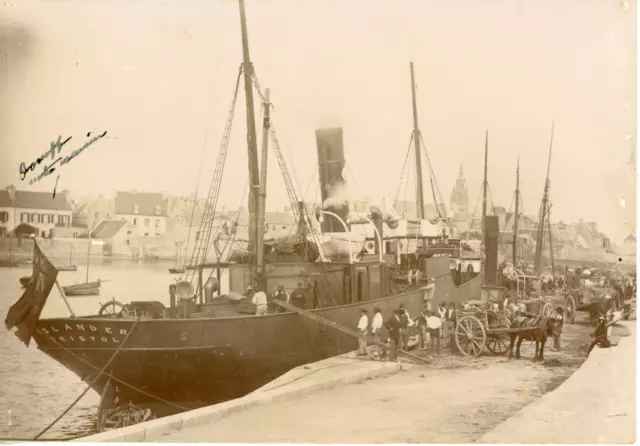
557	328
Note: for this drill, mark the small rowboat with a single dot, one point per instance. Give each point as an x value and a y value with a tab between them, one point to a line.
176	270
83	289
67	268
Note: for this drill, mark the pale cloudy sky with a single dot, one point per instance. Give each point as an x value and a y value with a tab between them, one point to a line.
159	77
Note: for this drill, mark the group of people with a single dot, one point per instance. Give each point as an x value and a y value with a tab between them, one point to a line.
265	304
431	326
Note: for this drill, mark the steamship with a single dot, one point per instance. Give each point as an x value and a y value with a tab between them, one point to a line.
208	347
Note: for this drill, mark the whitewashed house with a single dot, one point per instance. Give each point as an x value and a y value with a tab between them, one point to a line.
40	210
145	211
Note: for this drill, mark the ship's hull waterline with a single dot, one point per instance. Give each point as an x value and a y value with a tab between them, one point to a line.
208	359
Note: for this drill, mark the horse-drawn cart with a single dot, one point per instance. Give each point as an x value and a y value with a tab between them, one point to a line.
591	299
483	324
487	323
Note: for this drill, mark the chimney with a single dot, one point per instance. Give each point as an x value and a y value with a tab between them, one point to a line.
333	187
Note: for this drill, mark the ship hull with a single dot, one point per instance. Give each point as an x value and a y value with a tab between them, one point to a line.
208	359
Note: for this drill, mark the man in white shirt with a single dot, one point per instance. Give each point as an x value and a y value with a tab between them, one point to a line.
260	301
429	292
363	325
376	327
433	325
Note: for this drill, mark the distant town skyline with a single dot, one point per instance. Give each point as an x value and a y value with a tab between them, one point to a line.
70	72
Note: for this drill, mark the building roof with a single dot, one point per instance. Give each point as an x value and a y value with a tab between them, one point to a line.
35	200
148	203
108	228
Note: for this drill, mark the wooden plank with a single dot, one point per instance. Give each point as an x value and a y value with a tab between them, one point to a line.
336	326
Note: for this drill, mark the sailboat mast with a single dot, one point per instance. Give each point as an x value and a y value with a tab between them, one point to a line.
254	179
485	183
89	251
544	207
263	184
484	207
515	221
418	154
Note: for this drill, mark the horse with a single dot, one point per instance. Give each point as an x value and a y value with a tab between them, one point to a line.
536	329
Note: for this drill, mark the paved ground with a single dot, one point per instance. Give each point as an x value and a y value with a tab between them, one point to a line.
453	400
605	388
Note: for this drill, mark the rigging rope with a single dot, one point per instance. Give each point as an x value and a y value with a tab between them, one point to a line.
402	172
91	383
118	380
432	175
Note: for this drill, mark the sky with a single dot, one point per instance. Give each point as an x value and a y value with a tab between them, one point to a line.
159	76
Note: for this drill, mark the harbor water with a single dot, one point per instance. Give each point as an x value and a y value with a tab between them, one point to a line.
34	388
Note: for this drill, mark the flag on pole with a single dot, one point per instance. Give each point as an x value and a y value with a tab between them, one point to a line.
25	313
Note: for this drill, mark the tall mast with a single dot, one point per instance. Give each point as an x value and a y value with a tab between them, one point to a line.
263	183
544	207
515	221
485	184
254	179
416	141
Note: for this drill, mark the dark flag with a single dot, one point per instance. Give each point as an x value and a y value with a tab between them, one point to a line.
25	313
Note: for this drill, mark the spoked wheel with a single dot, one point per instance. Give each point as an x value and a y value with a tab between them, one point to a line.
113	309
547	310
498	344
471	337
570	308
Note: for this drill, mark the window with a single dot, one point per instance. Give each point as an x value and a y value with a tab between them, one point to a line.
24	218
34	218
41	219
157	224
4	217
146	234
197	235
146	222
158	210
3	231
136	209
135	222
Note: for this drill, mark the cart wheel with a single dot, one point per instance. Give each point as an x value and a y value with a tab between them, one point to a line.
570	307
498	344
547	310
470	336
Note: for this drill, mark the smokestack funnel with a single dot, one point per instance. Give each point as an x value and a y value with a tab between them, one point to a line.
333	186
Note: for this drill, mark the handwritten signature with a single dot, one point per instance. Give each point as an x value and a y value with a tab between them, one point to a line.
55	148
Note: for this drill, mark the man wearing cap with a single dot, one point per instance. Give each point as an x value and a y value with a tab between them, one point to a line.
429	292
363	326
558	322
433	325
406	322
376	327
299	296
393	325
600	335
281	295
260	301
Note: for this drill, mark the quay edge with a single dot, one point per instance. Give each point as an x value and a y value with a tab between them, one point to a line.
326	374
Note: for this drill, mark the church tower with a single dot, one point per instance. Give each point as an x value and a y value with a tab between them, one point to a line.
459	200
